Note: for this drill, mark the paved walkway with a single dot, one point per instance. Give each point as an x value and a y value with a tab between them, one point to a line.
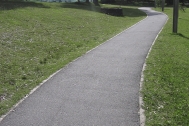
100	88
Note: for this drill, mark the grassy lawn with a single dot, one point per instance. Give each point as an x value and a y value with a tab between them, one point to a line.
37	39
166	84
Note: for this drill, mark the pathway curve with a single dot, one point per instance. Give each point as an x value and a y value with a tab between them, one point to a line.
100	88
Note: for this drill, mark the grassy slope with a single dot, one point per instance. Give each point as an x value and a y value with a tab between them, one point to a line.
37	39
166	85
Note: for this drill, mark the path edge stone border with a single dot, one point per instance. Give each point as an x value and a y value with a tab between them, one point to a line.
141	102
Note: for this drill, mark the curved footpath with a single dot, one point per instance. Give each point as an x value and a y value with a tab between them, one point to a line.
101	88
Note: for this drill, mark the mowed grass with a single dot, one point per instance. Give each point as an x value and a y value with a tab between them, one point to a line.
37	39
166	78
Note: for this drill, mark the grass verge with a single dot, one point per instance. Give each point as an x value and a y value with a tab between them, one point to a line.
37	39
166	78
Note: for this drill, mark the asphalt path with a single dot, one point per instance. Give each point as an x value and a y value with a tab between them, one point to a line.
101	88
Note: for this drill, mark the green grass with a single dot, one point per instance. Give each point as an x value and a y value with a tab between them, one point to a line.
166	85
37	39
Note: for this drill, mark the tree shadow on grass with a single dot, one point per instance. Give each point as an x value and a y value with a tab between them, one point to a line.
9	5
134	4
181	35
184	19
132	12
127	12
82	6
